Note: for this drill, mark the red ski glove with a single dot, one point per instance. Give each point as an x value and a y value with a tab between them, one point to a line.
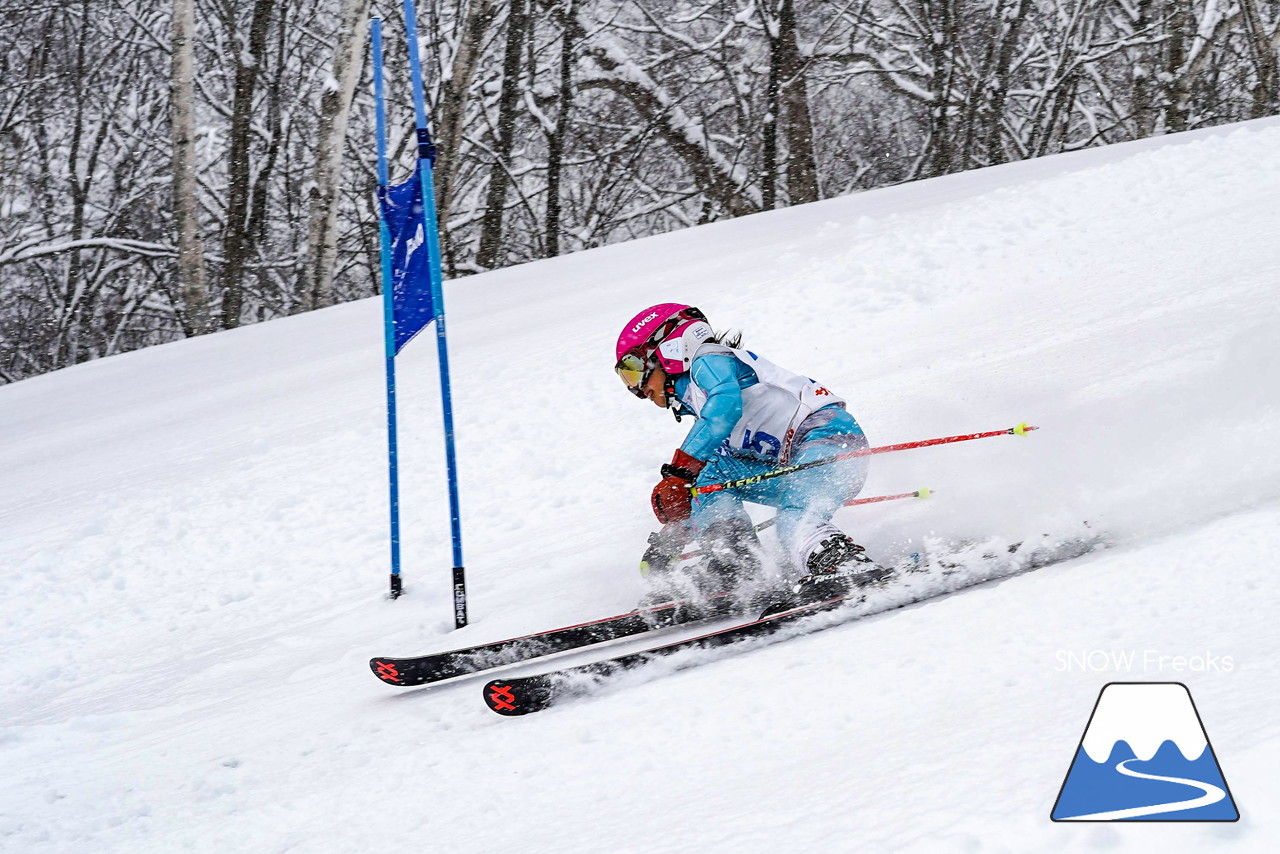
672	499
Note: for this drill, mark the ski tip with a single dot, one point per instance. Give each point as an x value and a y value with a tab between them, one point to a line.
387	670
515	697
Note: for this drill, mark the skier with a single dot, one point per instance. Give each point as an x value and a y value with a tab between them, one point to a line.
751	416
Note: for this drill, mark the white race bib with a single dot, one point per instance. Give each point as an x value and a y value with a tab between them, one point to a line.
772	409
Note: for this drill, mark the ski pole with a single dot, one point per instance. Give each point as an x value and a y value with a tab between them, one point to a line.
1020	430
922	492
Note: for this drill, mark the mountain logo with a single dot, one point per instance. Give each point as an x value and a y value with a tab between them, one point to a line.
1145	756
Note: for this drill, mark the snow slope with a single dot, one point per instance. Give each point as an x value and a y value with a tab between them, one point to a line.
193	539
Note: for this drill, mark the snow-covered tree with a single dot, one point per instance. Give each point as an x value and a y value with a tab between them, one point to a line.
137	148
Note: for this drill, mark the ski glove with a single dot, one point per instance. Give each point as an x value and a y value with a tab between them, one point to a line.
664	550
672	499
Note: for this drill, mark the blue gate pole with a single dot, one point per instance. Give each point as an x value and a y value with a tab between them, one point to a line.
388	309
427	152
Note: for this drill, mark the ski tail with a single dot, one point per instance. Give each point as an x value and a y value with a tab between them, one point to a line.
436	667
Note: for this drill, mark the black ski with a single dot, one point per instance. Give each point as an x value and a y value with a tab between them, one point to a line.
526	694
944	576
424	669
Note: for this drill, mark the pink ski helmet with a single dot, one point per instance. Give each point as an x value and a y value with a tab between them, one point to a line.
666	336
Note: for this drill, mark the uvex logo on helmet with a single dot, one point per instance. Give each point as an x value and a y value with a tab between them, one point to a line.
648	327
641	324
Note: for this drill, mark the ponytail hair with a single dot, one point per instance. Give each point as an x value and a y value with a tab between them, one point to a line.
731	338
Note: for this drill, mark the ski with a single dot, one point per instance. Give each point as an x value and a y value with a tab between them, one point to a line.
957	568
435	667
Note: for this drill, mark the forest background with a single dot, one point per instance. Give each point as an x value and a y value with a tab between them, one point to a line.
172	169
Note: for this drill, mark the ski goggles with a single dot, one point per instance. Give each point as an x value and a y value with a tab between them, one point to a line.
634	369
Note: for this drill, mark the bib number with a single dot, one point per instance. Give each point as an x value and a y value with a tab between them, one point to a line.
762	443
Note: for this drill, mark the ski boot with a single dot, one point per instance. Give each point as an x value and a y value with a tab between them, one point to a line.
731	556
734	570
837	566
